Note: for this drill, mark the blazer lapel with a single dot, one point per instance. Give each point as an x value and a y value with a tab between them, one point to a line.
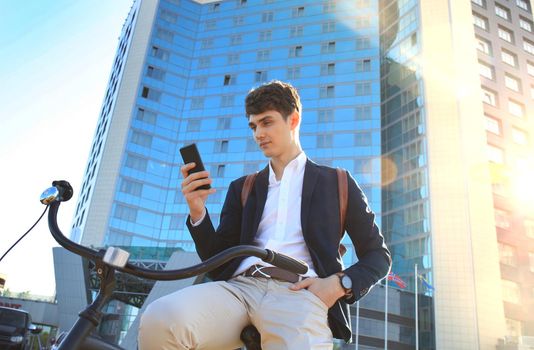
311	173
261	186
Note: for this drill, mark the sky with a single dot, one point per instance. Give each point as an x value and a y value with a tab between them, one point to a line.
55	61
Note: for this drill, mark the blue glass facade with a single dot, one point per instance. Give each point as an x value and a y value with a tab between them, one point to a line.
201	62
405	196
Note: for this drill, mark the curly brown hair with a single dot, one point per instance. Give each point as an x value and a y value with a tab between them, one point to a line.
275	95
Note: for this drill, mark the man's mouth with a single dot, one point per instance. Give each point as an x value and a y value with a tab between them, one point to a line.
264	144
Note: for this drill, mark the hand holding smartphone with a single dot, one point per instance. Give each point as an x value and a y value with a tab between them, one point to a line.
190	154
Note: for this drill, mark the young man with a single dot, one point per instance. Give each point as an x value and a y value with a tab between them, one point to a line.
293	208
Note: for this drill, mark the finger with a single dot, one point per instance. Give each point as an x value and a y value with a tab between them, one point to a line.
195	176
194	185
185	169
305	283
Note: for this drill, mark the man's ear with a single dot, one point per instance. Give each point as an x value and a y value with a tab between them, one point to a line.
294	120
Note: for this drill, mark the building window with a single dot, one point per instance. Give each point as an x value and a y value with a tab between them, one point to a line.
502	12
200	82
363	65
220	170
221	146
329	27
165	34
480	21
528	46
224	123
329	6
481	3
233	58
526	24
141	139
207	43
486	70
238	20
298	11
251	145
236	39
136	163
505	34
260	76
512	82
193	125
159	53
211	24
363	113
146	116
484	45
150	94
267	17
197	103
502	219
328	47
155	73
363	21
511	292
516	108
520	137
507	254
509	58
265	35
489	97
362	139
513	327
493	125
325	115
204	62
168	16
293	73
125	213
522	4
131	187
215	7
250	168
229	79
296	31
328	69
327	91
324	141
263	55
295	51
227	100
363	43
495	154
177	222
363	88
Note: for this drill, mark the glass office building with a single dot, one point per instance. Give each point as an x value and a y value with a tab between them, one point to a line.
390	91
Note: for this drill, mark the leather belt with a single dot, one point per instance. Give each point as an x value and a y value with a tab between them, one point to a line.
272	272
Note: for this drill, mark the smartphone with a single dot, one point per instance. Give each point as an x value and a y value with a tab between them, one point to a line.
190	155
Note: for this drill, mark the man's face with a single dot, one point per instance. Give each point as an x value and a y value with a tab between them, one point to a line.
272	133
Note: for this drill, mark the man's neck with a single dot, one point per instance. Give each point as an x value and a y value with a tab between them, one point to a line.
279	163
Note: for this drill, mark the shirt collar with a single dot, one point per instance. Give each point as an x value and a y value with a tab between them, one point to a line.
297	164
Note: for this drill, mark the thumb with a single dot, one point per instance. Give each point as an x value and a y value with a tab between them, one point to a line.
305	283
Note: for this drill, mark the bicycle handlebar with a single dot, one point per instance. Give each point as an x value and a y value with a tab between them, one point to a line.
61	191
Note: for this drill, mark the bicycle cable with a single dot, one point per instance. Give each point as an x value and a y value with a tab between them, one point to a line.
31	228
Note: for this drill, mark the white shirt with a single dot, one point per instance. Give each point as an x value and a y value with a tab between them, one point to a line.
280	227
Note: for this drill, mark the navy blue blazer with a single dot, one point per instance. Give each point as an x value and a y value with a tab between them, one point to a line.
320	227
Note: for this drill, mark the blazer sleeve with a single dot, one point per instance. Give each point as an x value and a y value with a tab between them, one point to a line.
209	241
374	258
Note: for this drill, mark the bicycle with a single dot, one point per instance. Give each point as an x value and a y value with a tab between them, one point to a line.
112	259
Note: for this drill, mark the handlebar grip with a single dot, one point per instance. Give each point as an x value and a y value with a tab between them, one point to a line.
286	262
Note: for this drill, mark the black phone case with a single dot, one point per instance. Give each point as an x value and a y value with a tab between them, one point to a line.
190	154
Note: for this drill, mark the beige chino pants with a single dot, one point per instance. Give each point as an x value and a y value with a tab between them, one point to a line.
212	315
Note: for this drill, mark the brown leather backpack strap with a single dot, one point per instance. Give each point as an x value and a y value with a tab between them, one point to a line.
247	187
343	191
